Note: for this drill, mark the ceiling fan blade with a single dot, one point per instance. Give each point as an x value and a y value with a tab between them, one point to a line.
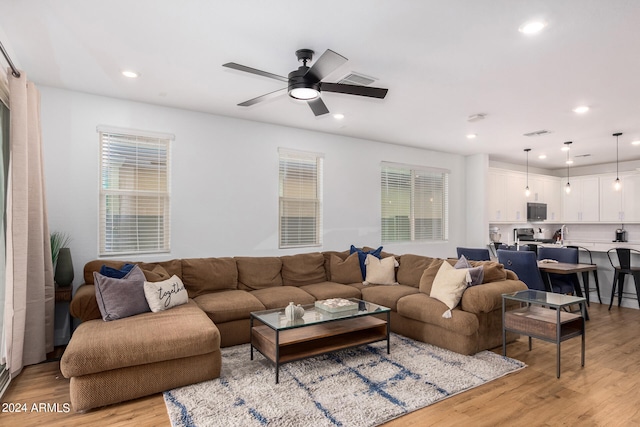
373	92
255	71
265	97
326	64
318	107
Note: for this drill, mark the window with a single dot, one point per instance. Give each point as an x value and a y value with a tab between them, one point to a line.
134	192
300	198
414	203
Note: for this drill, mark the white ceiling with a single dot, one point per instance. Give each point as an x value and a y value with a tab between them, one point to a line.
441	61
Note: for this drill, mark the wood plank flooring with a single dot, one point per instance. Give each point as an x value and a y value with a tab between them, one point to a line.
601	393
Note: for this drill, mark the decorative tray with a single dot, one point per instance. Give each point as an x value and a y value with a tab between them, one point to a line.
336	305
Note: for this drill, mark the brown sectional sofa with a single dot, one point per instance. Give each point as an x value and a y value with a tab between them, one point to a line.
109	362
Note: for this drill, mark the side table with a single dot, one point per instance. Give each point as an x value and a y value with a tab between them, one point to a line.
542	316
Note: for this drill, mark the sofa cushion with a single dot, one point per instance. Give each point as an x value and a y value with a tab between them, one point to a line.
154	272
426	280
84	305
488	297
98	346
493	270
362	257
345	270
202	275
281	296
326	290
449	285
423	308
387	296
227	306
303	269
327	260
165	294
120	298
115	273
411	269
476	273
258	272
380	271
150	270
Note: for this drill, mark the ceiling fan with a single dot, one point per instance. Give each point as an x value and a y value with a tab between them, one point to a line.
306	83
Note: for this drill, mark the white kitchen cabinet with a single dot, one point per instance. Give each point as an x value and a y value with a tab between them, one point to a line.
552	189
582	204
497	200
631	198
516	199
620	206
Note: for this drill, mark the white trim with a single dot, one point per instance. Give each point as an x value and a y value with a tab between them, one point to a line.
135	132
414	167
282	151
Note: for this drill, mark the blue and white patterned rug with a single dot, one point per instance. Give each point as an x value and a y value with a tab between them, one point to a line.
358	387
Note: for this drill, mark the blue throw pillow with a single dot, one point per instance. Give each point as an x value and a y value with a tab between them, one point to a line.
114	272
362	257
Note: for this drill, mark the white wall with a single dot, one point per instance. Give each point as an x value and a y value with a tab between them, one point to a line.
476	190
225	180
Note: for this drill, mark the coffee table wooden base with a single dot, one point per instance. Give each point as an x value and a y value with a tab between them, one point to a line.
308	341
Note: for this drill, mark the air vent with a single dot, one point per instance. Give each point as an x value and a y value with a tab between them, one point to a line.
538	133
582	155
357	79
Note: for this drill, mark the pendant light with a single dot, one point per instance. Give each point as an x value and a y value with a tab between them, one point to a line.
617	185
527	192
567	188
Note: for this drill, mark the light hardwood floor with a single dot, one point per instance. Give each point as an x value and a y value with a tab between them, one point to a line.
602	393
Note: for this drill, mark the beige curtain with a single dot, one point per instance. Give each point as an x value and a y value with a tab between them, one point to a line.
29	303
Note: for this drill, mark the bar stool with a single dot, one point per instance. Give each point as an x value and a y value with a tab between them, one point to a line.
621	270
586	273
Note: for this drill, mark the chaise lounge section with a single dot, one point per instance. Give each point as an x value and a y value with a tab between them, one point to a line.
109	362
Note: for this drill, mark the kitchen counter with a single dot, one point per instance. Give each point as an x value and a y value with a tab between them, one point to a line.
596	246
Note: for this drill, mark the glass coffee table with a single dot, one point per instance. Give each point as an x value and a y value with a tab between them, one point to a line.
543	315
319	331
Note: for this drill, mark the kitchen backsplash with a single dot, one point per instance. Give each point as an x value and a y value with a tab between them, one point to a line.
580	232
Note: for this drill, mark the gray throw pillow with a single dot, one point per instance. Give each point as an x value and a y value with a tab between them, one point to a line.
120	298
476	273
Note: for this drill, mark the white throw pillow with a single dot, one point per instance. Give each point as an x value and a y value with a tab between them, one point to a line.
166	294
380	271
449	285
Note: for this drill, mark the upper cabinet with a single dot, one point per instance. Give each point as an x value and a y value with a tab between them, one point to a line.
623	205
582	204
507	201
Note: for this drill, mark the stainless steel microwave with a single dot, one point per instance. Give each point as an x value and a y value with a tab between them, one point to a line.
536	211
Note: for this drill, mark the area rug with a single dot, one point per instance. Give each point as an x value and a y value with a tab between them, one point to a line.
360	387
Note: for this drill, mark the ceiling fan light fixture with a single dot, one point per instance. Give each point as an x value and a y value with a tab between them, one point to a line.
304	93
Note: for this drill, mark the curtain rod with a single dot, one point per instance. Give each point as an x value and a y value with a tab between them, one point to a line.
14	70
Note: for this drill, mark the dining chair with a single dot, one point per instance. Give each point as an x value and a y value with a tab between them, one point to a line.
582	249
621	269
525	265
474	254
561	283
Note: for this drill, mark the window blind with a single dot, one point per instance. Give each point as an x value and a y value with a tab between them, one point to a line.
414	203
134	194
300	198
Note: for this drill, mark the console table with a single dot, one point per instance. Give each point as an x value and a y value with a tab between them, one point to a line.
542	315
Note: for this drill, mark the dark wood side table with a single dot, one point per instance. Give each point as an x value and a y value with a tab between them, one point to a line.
64	294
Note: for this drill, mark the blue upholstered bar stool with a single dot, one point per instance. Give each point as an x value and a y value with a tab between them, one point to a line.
474	254
621	269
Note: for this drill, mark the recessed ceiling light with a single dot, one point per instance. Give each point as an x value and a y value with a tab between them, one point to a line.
130	74
569	162
565	148
532	27
581	109
338	116
542	156
471	135
636	142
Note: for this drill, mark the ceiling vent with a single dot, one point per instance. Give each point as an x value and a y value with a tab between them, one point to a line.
538	133
357	79
476	117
